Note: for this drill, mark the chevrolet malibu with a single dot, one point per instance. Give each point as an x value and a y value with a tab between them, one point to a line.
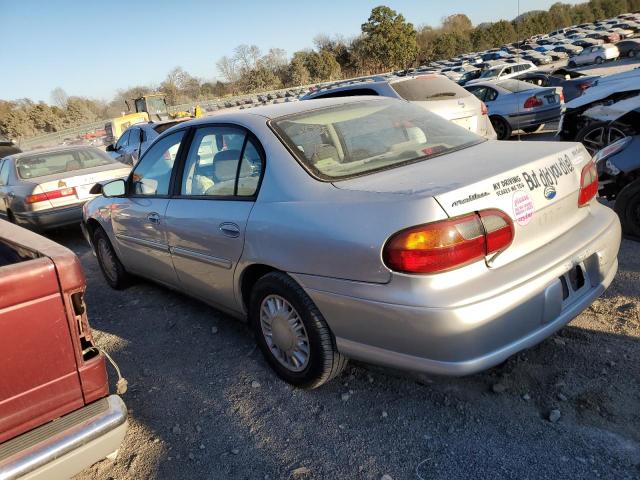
363	228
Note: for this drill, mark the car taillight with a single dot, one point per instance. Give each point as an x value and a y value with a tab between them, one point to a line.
483	109
532	102
588	184
448	244
43	197
561	96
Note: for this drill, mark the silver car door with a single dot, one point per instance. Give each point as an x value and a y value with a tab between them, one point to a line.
138	218
206	222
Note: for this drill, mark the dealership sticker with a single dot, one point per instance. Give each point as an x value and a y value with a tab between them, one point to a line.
522	207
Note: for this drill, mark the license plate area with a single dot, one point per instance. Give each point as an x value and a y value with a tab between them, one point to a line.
574	283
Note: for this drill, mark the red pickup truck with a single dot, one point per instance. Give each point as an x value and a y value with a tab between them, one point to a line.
56	414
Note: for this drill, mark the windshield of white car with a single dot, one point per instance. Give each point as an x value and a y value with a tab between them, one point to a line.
54	163
428	87
358	138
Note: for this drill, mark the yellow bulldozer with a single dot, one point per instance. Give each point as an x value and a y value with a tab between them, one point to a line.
148	108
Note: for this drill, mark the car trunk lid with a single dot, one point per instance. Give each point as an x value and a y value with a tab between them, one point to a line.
536	186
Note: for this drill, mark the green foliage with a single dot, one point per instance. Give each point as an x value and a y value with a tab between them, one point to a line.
388	40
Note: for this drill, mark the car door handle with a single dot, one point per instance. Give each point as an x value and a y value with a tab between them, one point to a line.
153	218
230	229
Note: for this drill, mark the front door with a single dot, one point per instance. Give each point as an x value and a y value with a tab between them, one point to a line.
139	218
206	221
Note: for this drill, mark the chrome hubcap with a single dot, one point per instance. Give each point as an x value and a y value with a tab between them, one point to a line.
284	333
600	137
107	260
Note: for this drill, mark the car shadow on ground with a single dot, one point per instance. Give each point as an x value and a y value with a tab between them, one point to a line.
204	403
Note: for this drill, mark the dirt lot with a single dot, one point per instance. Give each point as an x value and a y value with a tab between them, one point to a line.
204	404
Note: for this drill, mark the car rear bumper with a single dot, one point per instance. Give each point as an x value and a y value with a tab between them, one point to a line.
51	217
466	338
66	446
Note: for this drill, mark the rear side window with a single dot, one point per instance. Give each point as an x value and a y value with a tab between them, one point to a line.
429	88
4	172
352	92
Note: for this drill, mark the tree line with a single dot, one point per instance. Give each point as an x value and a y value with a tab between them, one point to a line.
387	41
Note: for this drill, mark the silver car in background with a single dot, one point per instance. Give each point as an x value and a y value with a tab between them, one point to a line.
434	92
46	188
366	228
517	105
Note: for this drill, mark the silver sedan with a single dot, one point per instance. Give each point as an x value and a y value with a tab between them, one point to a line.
46	188
363	228
518	105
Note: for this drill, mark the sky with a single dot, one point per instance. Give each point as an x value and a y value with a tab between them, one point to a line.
94	48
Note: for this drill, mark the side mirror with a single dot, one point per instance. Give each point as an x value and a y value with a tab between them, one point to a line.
114	188
111	148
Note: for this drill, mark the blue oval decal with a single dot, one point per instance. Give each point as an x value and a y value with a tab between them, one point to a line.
549	192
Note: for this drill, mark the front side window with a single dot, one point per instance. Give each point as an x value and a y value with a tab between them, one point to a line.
153	173
123	141
4	172
362	137
222	162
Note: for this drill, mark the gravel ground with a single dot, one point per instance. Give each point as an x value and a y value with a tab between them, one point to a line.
204	404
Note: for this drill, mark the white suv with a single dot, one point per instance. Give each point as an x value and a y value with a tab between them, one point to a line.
504	71
596	54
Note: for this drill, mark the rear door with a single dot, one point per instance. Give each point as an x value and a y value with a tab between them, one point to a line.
206	219
138	219
4	191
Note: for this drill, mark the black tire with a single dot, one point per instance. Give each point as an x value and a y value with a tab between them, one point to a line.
599	60
324	361
10	217
112	269
572	64
534	129
627	207
502	127
631	53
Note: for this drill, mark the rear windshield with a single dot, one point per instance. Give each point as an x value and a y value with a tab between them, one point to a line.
429	87
357	138
43	164
515	85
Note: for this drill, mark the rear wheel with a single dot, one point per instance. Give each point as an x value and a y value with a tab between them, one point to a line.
627	207
533	129
599	60
632	53
502	127
112	269
572	64
10	217
292	333
598	135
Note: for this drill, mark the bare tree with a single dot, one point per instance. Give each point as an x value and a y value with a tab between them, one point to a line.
246	56
228	69
59	97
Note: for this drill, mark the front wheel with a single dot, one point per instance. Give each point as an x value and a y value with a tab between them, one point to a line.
627	207
599	60
292	333
502	127
112	269
572	64
632	53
